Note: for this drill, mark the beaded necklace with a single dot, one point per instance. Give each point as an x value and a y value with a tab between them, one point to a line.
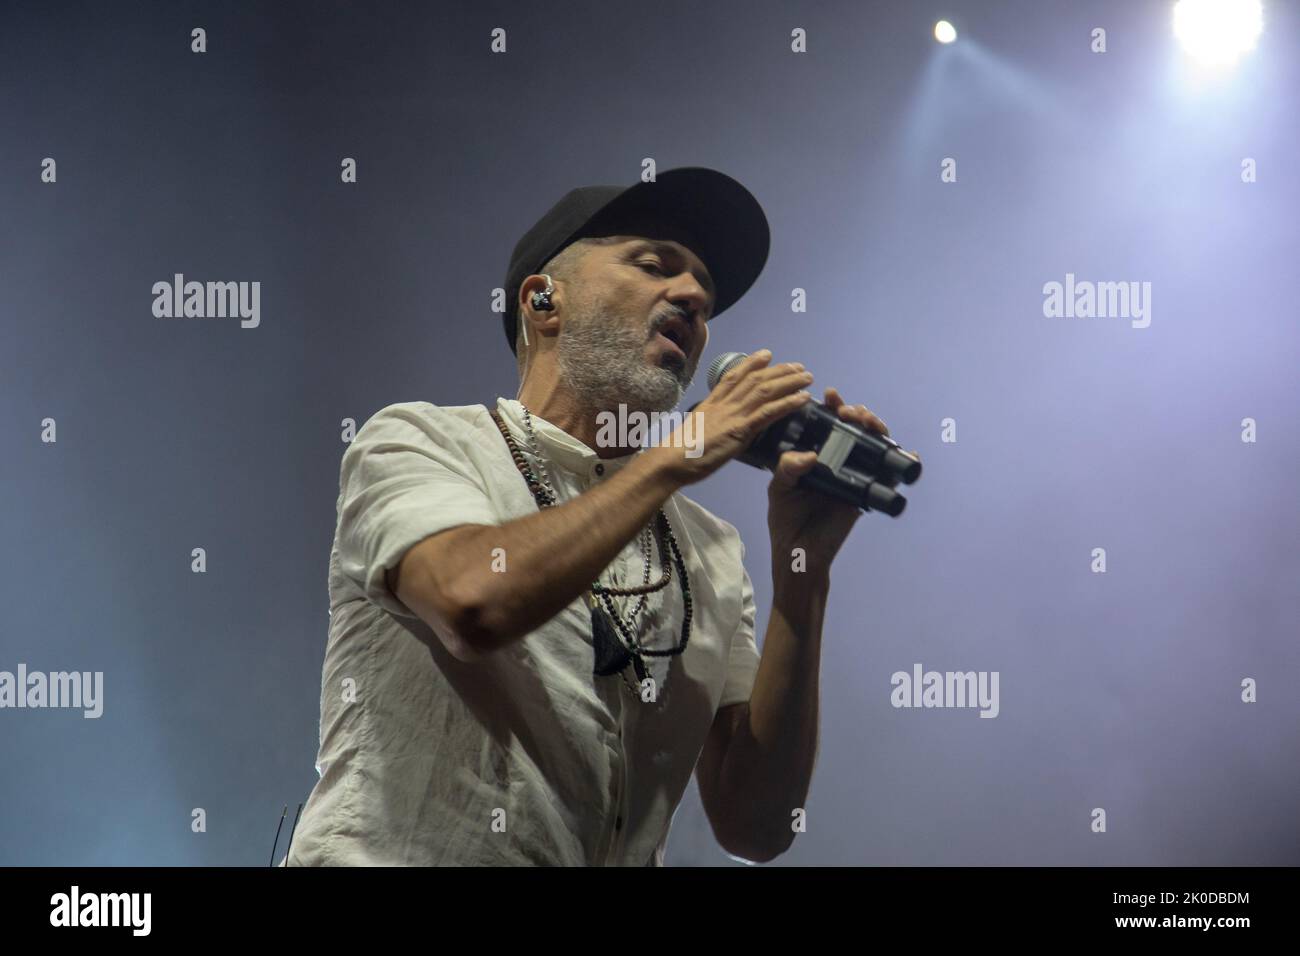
615	644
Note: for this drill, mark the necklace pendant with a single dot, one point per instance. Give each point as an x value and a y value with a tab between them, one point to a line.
611	655
638	665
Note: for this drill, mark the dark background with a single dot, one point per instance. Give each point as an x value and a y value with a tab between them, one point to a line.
1118	690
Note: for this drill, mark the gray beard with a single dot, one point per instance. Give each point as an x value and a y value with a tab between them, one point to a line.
603	361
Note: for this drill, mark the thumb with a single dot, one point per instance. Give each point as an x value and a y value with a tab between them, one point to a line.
793	466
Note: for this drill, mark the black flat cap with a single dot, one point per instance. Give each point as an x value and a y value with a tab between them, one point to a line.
707	211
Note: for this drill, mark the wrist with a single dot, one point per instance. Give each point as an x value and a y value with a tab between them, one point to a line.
795	588
664	466
798	562
661	469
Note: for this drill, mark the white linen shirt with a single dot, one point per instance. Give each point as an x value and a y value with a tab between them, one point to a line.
524	757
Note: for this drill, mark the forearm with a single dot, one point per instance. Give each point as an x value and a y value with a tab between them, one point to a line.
769	764
552	557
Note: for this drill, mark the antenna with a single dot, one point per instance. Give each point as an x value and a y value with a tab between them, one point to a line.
277	834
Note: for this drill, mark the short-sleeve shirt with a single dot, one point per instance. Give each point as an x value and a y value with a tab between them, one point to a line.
525	756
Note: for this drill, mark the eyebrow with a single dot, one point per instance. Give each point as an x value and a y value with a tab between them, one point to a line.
668	252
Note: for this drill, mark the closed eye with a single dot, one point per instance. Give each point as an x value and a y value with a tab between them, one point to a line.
655	268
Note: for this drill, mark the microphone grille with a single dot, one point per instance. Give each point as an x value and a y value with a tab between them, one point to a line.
723	364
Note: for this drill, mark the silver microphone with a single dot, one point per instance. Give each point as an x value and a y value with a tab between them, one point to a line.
721	365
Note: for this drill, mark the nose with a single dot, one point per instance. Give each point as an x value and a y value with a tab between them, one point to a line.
692	300
692	311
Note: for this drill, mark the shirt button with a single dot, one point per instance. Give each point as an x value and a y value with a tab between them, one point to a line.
600	469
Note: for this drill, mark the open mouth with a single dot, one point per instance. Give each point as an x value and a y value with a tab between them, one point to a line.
667	339
675	334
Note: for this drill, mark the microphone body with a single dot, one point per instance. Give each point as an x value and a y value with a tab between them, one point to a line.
853	464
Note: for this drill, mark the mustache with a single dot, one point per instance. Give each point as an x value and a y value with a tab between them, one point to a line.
663	319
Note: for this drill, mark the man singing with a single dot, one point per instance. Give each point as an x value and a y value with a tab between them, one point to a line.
535	637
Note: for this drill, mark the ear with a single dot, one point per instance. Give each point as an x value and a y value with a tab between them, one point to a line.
524	305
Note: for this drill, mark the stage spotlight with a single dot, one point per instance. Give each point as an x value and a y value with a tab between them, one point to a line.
945	32
1217	32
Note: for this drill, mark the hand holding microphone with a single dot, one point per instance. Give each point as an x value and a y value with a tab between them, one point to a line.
741	405
756	413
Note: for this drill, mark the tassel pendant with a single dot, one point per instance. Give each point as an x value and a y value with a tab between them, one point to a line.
638	665
611	655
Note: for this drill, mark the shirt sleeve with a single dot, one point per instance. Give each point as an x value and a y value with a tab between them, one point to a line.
742	663
403	478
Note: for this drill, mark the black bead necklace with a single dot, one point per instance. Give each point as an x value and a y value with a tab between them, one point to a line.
615	644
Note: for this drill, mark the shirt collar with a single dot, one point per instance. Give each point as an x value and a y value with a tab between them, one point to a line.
557	446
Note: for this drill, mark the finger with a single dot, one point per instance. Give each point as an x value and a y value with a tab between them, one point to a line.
768	388
833	398
793	465
757	380
878	422
861	415
738	372
777	408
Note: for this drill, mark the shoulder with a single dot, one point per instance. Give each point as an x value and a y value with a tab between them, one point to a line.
437	422
407	435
